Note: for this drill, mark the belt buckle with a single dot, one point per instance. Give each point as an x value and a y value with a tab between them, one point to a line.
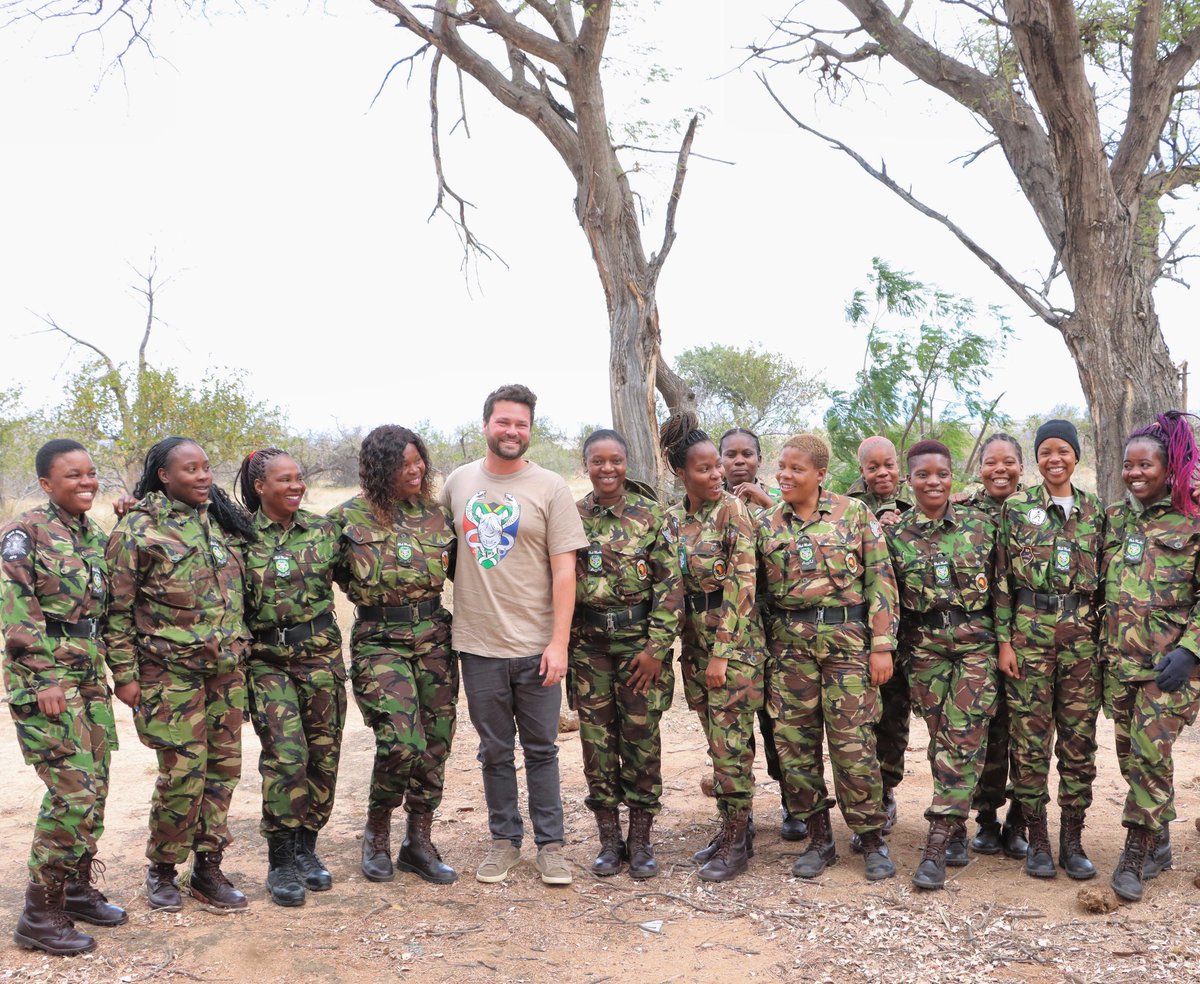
821	616
610	621
93	628
947	623
1060	604
280	639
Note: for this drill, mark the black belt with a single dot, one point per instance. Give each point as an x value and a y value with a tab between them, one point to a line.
941	618
1050	603
398	613
85	628
824	615
697	601
611	619
289	635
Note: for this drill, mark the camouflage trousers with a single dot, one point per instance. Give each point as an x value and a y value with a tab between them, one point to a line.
993	789
194	724
618	728
1147	722
819	693
1056	700
71	755
410	701
891	729
956	697
727	717
298	709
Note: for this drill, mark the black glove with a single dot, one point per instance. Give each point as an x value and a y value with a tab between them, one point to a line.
1174	669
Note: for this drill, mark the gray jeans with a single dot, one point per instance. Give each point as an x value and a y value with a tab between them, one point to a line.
505	697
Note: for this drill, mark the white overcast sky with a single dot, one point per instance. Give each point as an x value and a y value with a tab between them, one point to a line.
292	220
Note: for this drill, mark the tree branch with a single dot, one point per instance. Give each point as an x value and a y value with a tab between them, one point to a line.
685	149
76	340
148	293
525	38
1031	300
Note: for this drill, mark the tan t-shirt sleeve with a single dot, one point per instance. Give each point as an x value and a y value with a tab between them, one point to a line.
564	528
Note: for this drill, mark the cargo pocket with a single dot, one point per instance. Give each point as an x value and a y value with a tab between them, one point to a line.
43	740
156	721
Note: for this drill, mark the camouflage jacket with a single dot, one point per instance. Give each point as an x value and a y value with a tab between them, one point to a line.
406	562
946	564
985	503
900	501
837	558
710	550
289	579
177	594
54	569
1042	550
1151	586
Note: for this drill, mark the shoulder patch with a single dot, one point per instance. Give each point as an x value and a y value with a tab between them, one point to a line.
15	545
876	527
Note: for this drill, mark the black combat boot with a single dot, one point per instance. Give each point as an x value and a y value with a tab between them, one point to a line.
1070	847
987	836
889	809
733	855
418	855
44	926
931	872
313	873
1127	880
956	846
642	863
875	855
1039	862
162	891
283	878
822	852
612	848
377	846
792	828
703	855
1158	859
1012	834
83	900
209	884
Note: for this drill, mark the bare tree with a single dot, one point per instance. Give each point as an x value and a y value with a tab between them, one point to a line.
1094	108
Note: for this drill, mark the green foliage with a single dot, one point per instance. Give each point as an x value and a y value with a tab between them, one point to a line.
21	434
748	387
923	367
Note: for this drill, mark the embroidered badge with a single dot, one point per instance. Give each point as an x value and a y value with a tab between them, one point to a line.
283	565
15	546
219	556
941	571
404	551
1062	557
446	559
806	554
876	528
1027	555
96	577
595	559
642	570
719	569
981	582
1135	547
1037	516
852	563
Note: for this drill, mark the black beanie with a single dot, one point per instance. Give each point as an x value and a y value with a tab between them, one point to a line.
1064	430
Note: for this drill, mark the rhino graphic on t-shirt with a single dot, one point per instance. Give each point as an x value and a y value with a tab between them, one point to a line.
490	529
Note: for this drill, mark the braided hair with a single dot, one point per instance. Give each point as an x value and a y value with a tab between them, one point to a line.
254	469
231	517
604	434
998	436
1173	436
381	457
680	433
741	430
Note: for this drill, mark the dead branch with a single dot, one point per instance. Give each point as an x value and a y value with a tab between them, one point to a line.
657	260
409	60
973	156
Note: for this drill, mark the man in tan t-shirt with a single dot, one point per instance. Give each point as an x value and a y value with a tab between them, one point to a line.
514	595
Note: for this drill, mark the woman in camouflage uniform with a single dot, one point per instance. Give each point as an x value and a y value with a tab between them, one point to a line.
944	557
1151	635
296	675
53	599
396	550
175	627
708	545
1001	464
618	717
1050	541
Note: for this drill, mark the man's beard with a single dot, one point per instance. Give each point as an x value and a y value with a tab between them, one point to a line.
494	446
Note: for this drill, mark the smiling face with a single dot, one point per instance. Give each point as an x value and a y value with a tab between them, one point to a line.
187	477
281	488
798	478
72	483
702	475
1144	470
929	477
879	467
1056	461
507	429
740	459
1000	470
411	474
606	469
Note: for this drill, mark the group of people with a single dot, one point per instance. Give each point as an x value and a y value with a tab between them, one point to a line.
1006	620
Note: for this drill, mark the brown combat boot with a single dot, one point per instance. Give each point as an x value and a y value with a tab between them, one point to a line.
612	848
931	872
1071	855
418	855
44	926
377	846
732	857
1039	862
642	863
162	891
84	901
209	884
1127	880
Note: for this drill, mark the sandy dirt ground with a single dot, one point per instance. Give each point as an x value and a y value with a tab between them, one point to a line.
992	923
